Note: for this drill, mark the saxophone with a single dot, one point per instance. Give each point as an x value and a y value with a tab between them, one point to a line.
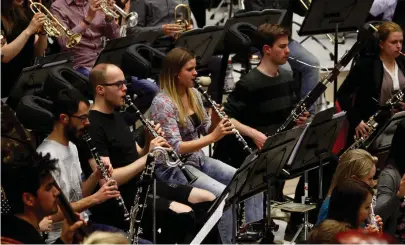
173	159
361	142
86	137
222	115
141	196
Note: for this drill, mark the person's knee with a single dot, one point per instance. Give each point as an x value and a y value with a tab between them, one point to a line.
199	195
179	208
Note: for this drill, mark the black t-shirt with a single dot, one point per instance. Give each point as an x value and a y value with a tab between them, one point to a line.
112	137
12	69
19	230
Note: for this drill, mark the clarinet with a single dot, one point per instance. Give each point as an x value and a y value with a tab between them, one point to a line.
106	175
361	142
174	159
372	218
321	87
141	197
222	115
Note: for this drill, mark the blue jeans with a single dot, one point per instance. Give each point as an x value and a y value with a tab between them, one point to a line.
310	75
143	88
214	175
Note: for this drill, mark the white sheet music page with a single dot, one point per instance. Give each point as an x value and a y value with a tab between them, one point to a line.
210	223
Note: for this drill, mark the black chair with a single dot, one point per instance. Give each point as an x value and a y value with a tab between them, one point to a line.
142	61
65	78
35	114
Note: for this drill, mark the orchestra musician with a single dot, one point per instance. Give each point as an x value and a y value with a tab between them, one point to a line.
373	81
116	145
178	108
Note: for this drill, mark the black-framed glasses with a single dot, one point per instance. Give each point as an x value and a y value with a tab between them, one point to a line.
118	84
83	117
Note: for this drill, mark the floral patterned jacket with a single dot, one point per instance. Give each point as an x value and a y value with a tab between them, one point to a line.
165	112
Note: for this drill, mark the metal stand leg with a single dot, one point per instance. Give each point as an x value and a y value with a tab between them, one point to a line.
234	223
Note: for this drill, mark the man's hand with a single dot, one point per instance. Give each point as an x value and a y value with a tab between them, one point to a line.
46	224
158	129
159	141
362	129
68	231
107	191
171	29
401	107
303	118
93	8
107	166
259	138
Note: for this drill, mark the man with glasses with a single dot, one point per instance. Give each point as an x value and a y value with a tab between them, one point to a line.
70	110
176	205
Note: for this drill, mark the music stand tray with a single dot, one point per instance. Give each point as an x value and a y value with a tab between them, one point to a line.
382	140
202	42
115	48
31	79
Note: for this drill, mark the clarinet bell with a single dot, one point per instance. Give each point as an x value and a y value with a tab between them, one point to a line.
191	178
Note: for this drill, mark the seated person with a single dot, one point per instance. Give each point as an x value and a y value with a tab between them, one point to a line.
355	164
30	189
22	39
179	109
70	109
88	19
325	232
362	92
350	202
115	145
391	187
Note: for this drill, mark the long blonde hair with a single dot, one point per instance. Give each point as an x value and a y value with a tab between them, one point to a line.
172	65
100	237
356	162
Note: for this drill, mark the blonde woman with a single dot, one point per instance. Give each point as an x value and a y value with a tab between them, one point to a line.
355	164
100	237
178	108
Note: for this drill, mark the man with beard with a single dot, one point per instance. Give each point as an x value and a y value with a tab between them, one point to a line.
70	110
32	194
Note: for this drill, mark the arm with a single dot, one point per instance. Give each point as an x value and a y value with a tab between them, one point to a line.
11	50
111	29
41	42
141	8
387	199
347	92
164	113
378	7
90	184
79	206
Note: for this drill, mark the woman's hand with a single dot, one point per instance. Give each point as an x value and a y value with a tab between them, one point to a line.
362	129
36	23
380	223
223	128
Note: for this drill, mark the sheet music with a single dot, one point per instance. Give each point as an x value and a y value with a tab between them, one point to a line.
340	114
294	152
210	223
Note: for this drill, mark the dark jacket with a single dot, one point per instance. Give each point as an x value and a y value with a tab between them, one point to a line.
360	92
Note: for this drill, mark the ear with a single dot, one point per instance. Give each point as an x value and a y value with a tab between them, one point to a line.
380	44
28	199
63	118
266	49
99	90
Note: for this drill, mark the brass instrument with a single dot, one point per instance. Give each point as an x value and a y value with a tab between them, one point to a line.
53	27
185	19
130	18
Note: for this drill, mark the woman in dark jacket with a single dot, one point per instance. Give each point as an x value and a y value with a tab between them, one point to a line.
373	81
23	38
391	187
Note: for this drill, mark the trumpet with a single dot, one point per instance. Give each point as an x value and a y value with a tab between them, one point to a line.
130	18
185	19
53	27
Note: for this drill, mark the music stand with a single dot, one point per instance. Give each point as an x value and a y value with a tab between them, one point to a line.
32	78
202	42
115	48
331	16
381	143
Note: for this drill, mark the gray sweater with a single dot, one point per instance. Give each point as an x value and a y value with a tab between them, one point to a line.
388	203
152	14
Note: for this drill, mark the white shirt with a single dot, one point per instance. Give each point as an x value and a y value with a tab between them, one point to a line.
68	176
387	7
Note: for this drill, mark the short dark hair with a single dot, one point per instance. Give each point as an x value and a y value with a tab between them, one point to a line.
346	200
269	33
67	102
24	176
